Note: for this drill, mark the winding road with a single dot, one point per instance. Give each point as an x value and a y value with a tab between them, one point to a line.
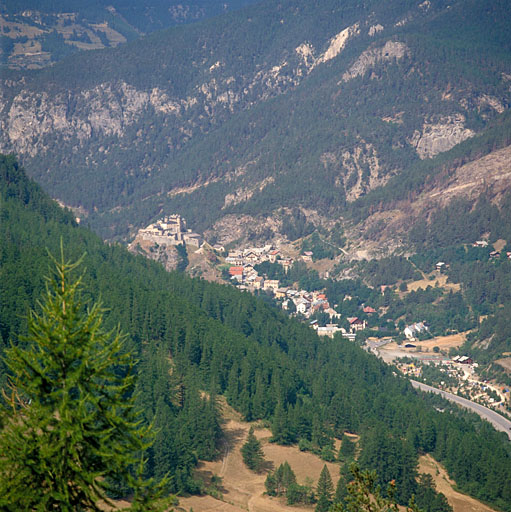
498	421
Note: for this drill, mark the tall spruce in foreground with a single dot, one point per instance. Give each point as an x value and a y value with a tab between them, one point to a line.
70	434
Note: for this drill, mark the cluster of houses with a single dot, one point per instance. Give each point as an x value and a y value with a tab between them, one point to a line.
255	255
171	230
308	303
331	329
496	254
450	367
493	254
410	369
441	265
245	276
243	273
305	303
480	392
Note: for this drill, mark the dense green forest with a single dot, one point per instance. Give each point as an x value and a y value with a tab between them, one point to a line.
192	336
229	121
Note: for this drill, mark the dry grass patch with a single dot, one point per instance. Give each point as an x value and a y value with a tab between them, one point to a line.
499	244
459	502
439	281
443	342
505	363
393	351
304	464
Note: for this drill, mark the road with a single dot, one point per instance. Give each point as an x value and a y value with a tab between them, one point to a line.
498	421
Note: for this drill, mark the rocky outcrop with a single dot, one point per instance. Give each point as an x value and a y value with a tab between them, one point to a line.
363	171
165	254
392	50
438	137
243	228
336	44
104	110
374	29
245	193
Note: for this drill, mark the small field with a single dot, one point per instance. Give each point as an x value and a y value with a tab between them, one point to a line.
459	502
438	281
505	362
442	342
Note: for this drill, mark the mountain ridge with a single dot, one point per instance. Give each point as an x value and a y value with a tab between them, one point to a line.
205	118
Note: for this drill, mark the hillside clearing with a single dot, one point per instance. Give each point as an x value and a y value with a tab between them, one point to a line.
505	363
443	342
242	489
459	502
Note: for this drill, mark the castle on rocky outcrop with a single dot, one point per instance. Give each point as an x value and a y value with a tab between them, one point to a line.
171	230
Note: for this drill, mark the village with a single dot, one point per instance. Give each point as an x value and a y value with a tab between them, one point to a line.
408	352
457	374
298	302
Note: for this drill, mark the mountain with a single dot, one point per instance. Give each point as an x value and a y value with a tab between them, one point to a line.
36	34
195	339
332	110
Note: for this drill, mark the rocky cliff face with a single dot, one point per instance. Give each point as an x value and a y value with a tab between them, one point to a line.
110	107
30	118
165	254
435	138
105	110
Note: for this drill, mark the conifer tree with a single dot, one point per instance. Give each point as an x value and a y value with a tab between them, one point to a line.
285	477
271	484
252	452
70	433
347	449
281	428
341	489
324	490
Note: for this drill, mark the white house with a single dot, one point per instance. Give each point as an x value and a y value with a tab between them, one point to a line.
412	330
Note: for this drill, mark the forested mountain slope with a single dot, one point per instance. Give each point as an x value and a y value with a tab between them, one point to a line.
279	105
38	33
192	336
